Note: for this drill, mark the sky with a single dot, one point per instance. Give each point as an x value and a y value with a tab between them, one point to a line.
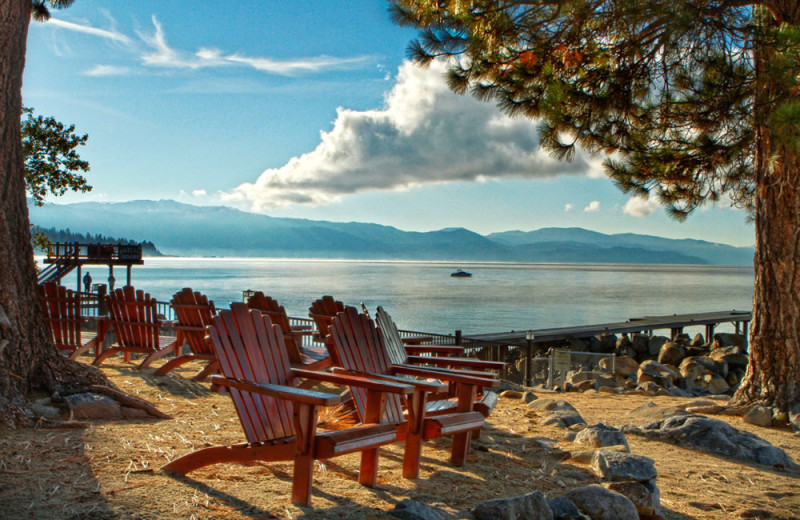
311	110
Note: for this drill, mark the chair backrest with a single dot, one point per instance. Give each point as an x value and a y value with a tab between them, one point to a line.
249	347
62	311
359	347
394	343
134	318
194	312
277	314
322	312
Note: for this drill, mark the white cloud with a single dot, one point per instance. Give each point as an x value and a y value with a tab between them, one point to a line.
199	193
592	207
107	70
568	207
424	134
164	56
640	206
88	29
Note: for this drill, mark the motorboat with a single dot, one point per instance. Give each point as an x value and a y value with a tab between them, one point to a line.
461	274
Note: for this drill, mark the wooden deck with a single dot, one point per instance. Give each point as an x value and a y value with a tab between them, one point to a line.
646	324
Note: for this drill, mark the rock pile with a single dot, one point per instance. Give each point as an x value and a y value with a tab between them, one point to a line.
657	365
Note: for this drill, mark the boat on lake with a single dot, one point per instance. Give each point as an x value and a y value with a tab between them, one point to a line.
461	274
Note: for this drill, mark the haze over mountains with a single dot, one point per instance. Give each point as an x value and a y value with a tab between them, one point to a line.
183	229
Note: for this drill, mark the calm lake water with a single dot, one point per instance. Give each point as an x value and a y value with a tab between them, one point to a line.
422	296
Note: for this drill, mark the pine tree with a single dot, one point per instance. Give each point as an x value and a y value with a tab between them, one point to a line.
692	101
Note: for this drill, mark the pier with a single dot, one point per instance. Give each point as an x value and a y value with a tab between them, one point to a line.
62	259
529	339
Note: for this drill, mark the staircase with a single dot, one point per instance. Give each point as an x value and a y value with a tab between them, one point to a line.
61	266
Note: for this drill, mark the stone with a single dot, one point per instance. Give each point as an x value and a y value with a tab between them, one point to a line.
586	456
644	495
655	344
625	366
671	353
654	367
650	412
600	503
48	412
794	417
583	386
709	409
551	404
529	397
640	343
678	392
564	509
758	415
606	343
620	467
698	341
408	509
648	388
511	394
533	506
578	345
93	406
718	385
562	418
599	435
133	413
709	435
723	339
602	381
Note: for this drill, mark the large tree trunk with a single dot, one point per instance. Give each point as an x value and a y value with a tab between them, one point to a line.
773	376
28	359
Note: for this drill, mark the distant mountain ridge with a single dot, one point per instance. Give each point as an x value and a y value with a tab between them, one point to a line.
183	229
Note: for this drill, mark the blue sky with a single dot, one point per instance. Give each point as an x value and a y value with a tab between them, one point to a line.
309	109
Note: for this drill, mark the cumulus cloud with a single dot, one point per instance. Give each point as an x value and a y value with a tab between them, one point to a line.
199	193
568	207
592	207
107	70
424	134
641	206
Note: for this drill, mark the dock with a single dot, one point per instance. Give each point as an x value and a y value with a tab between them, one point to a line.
528	339
62	259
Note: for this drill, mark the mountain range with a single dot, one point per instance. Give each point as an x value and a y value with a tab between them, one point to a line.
183	229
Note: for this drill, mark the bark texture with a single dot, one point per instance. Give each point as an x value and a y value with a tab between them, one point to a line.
773	375
28	359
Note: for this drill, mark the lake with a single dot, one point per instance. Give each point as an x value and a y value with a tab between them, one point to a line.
422	296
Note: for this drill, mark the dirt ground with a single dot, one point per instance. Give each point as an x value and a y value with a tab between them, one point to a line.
111	469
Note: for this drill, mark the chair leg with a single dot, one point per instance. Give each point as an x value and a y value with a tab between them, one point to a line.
207	371
466	402
155	355
368	475
413	448
305	422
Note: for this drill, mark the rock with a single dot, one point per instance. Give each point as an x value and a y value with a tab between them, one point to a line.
600	435
600	503
717	384
709	409
606	343
565	509
625	366
758	415
409	510
648	388
678	392
655	344
671	353
133	413
562	418
551	404
640	343
722	339
794	417
620	467
698	341
533	506
651	412
644	495
586	456
654	367
511	394
696	402
710	435
48	412
583	386
578	345
602	381
529	397
93	406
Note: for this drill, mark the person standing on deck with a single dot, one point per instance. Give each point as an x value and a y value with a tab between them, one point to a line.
87	282
111	281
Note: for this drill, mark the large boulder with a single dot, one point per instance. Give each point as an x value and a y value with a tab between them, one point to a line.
655	344
407	509
640	343
600	435
644	495
621	467
672	353
722	339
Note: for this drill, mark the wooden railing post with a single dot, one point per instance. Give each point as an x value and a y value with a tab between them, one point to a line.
102	307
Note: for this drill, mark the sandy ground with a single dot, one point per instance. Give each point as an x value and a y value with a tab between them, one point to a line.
111	469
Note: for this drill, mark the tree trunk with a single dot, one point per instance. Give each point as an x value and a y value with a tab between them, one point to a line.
773	375
28	359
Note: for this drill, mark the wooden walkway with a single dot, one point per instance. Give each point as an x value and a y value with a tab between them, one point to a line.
647	324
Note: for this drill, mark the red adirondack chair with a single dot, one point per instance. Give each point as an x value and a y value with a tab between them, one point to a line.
398	355
360	347
134	318
312	358
62	311
279	420
194	312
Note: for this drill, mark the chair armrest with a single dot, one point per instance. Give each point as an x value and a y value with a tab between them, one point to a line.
462	362
434	349
453	376
355	380
190	328
416	340
280	392
425	386
473	373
